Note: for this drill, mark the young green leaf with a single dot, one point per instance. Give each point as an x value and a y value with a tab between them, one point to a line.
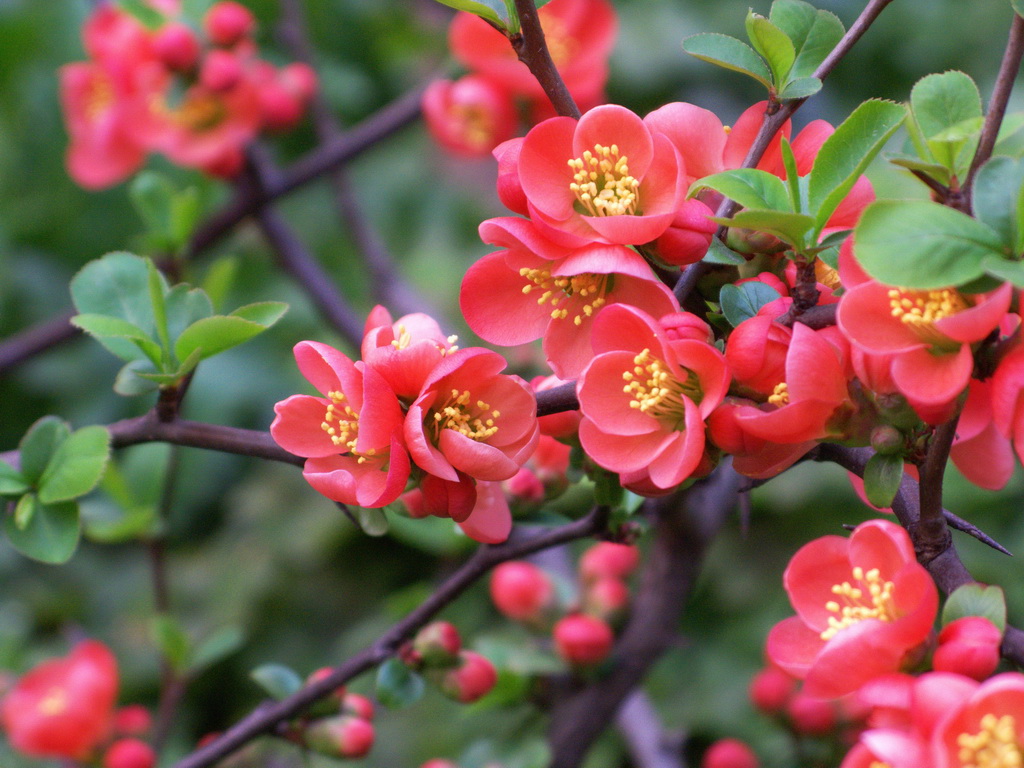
77	465
39	444
923	245
846	153
219	332
938	172
51	532
720	253
791	228
218	280
130	380
976	600
882	477
1005	270
728	52
277	680
157	291
814	33
185	305
152	193
374	522
397	685
12	482
943	101
773	45
748	187
172	641
105	328
492	10
792	176
218	646
265	313
741	302
996	198
800	88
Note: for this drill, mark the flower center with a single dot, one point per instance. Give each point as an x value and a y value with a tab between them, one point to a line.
602	184
921	309
994	746
459	414
587	289
561	46
872	599
341	424
780	395
99	96
475	124
653	389
403	339
55	702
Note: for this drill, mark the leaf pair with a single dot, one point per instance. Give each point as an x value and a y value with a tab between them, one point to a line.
501	13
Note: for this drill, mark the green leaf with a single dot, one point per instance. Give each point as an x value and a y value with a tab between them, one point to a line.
51	531
792	176
728	52
1005	270
12	482
266	313
39	444
157	290
277	680
219	332
373	522
397	685
940	102
130	380
772	44
194	10
741	302
814	33
151	193
996	198
185	305
186	208
976	600
77	465
882	477
1018	6
108	523
494	10
172	641
923	245
720	253
912	163
218	646
218	280
790	227
144	13
748	187
846	154
105	327
800	88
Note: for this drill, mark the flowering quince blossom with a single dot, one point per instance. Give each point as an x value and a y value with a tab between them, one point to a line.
986	729
63	707
469	116
538	289
352	436
404	351
644	397
604	178
864	605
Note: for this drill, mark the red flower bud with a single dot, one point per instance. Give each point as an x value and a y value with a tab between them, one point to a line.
227	22
357	705
129	753
811	715
771	689
132	720
176	46
472	679
729	753
688	236
583	640
220	71
319	674
341	736
968	646
521	590
608	560
606	598
280	108
438	644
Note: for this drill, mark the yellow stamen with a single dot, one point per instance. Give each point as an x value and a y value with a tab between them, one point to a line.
99	96
994	746
602	184
588	289
654	389
55	702
341	424
780	395
474	420
921	309
872	599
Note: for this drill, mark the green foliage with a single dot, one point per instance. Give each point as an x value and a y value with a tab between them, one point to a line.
720	253
173	642
946	118
741	302
397	685
502	13
748	187
976	600
998	200
812	32
730	53
162	333
146	14
45	532
170	214
882	476
277	680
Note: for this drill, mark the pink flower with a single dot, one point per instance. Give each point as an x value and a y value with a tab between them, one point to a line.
470	116
986	729
644	397
63	707
606	178
863	604
404	351
351	437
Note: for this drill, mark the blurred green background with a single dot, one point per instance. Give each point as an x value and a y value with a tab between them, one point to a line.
251	545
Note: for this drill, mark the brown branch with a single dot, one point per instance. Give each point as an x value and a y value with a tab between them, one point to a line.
931	537
682	533
29	342
817	317
1000	98
558	399
532	49
264	718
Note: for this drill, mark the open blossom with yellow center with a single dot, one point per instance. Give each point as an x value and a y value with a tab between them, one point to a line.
994	746
868	597
588	290
602	183
656	390
341	424
475	421
921	309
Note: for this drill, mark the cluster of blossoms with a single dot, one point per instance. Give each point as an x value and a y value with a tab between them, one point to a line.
582	629
340	726
472	115
196	96
415	409
459	673
65	708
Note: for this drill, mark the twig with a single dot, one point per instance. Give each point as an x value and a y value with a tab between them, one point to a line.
650	746
817	317
557	399
18	348
1000	98
532	49
932	537
267	715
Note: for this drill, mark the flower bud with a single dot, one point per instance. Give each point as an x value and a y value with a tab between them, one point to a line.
608	560
811	715
340	736
606	598
357	705
438	644
300	79
220	71
583	640
521	590
471	680
886	439
771	689
688	236
176	46
968	646
438	762
729	753
227	22
280	109
129	753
